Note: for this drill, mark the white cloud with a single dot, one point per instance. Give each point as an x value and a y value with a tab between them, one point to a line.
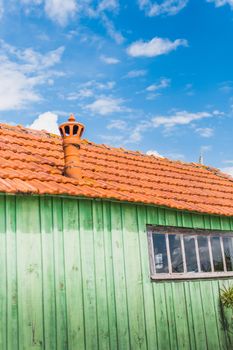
228	170
155	47
60	11
109	5
136	133
46	121
22	72
163	83
80	95
166	7
111	30
136	73
32	58
99	85
219	3
117	124
16	88
205	132
89	89
180	118
106	105
32	2
109	60
152	96
63	11
154	153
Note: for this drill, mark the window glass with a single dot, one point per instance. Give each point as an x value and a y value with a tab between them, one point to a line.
217	254
204	254
190	254
228	252
160	253
176	254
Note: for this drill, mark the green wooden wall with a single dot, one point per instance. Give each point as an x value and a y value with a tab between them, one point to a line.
74	274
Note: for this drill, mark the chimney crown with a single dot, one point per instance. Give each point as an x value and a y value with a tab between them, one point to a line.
71	130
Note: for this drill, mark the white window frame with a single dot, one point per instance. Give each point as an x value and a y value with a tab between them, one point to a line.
168	230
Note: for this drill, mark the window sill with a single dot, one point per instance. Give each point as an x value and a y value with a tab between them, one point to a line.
191	276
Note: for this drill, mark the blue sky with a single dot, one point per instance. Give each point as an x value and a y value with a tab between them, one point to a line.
147	75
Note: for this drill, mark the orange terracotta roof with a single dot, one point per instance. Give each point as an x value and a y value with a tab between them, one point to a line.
32	162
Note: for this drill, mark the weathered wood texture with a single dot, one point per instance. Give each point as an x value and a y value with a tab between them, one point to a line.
75	275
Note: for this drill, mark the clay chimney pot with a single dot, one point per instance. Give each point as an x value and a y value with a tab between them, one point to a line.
71	133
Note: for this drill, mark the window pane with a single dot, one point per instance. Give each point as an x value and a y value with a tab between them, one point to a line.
160	253
228	252
217	254
204	254
190	254
176	254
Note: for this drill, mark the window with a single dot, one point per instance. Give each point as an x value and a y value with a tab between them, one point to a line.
177	253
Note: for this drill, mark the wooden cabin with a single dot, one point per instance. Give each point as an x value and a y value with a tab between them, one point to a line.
104	248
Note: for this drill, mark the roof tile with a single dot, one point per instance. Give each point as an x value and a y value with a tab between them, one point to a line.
32	162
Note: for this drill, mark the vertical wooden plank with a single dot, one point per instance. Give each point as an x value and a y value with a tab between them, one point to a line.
159	295
152	215
209	315
3	276
171	315
112	319
60	283
171	218
29	273
189	310
215	223
148	300
48	273
100	276
133	277
199	317
206	222
88	274
162	324
161	216
225	223
182	327
216	304
12	296
187	220
119	278
199	327
3	214
179	218
75	307
231	222
195	326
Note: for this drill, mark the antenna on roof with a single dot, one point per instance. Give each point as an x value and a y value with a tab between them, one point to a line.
201	158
